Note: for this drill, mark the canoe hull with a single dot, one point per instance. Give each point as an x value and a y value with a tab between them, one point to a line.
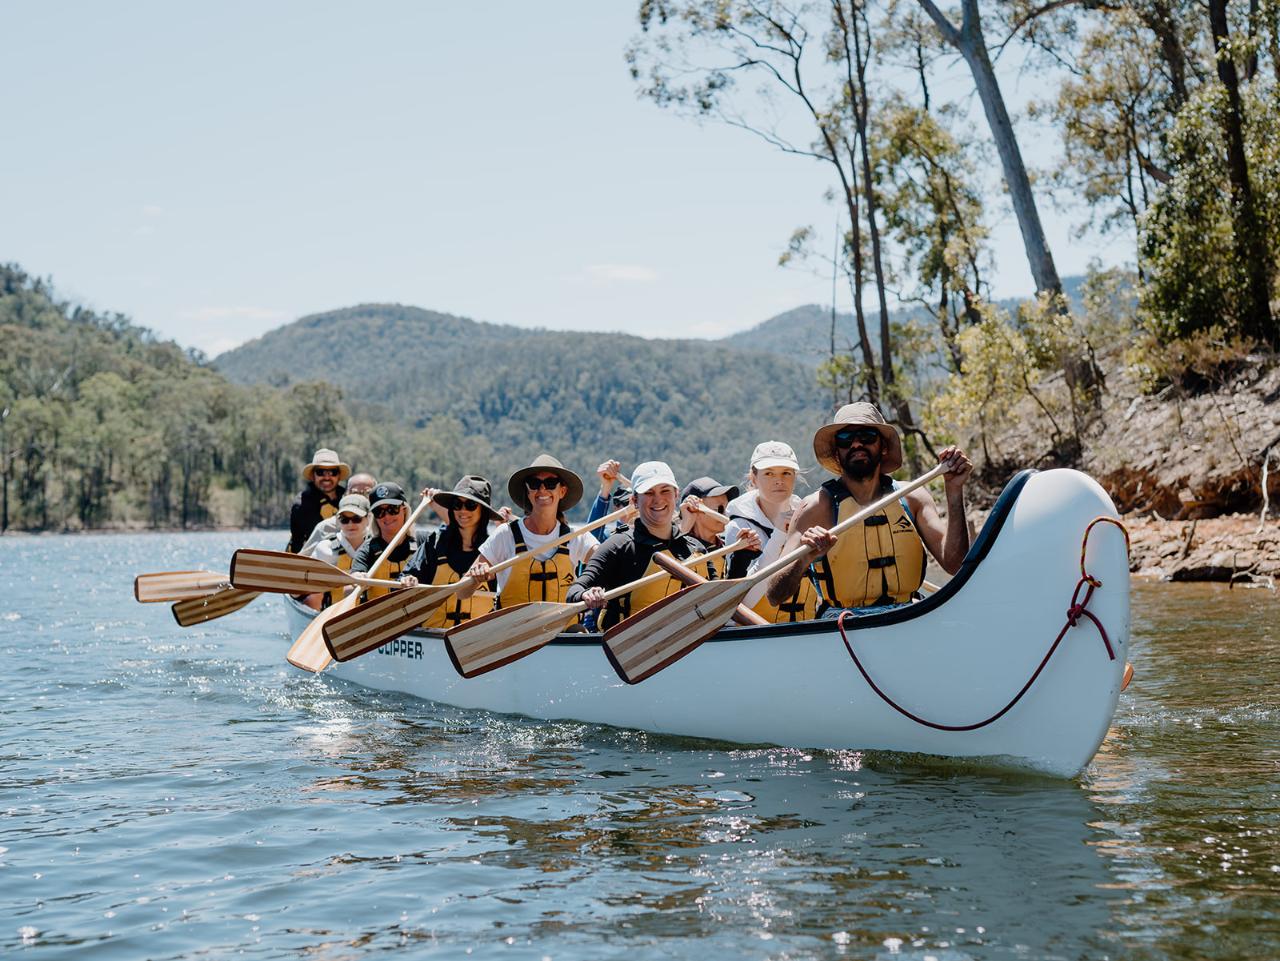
954	660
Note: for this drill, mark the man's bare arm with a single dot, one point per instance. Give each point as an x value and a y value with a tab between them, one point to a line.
804	533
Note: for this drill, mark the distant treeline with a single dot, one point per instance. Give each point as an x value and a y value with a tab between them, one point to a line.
105	425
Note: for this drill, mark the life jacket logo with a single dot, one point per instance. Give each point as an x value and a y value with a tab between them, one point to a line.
904	523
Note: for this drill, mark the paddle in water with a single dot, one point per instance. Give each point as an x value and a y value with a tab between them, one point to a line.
309	652
500	637
384	619
664	632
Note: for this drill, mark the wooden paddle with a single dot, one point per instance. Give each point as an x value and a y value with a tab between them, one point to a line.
664	632
384	619
197	610
279	572
742	614
309	651
487	643
177	585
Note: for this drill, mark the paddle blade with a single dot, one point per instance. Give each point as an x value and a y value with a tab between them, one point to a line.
278	572
177	585
201	609
662	633
500	637
309	651
384	619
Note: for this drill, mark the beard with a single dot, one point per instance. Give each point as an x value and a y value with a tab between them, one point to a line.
861	468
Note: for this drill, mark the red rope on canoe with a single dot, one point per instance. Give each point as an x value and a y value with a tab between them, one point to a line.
1078	609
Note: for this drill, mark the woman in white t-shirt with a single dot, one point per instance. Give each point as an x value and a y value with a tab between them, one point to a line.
545	489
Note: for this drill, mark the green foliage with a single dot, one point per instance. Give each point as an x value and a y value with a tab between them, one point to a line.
1196	283
104	425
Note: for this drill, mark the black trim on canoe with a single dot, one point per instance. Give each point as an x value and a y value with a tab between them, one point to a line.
978	552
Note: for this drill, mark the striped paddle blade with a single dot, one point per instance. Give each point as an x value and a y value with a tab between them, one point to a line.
662	633
369	626
500	637
177	585
277	572
201	609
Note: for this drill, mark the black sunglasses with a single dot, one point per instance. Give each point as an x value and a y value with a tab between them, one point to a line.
866	436
547	483
384	511
349	519
460	505
326	471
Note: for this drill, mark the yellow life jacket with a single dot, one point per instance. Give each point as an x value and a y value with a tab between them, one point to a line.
537	580
642	597
390	569
800	606
327	510
454	611
343	563
879	561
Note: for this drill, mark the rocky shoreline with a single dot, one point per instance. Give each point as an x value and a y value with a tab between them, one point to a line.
1233	548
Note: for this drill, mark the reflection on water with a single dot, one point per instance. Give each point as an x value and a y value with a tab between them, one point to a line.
182	793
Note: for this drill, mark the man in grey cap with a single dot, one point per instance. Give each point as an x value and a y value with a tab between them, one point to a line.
879	564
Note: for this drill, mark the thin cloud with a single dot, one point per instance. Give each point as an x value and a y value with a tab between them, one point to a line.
152	210
626	273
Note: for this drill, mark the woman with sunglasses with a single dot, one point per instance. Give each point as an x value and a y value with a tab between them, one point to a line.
766	509
390	512
545	490
878	564
341	547
446	556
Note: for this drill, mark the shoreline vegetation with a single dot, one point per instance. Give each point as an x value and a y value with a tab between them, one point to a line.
114	431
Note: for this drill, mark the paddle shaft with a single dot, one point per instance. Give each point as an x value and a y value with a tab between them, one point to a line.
690	578
786	560
659	575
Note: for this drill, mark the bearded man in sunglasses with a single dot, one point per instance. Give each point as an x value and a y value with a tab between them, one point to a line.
879	563
319	499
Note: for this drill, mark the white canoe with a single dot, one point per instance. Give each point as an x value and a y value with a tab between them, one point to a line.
954	659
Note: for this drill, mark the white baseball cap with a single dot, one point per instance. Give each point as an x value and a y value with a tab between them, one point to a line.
774	453
650	474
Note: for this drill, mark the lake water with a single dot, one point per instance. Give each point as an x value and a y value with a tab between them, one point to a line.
172	793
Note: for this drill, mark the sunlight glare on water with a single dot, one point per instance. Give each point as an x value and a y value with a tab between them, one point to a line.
177	793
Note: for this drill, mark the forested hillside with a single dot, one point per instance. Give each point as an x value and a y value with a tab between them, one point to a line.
104	425
581	396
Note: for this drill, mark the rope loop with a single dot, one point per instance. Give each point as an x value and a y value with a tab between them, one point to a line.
1078	608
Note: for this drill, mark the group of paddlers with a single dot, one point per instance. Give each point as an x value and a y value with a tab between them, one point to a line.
349	520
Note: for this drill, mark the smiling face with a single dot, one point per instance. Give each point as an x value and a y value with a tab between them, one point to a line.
390	518
657	508
325	479
465	514
545	491
775	484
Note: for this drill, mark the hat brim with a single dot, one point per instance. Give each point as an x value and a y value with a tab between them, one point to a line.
767	462
309	472
387	500
449	501
519	494
824	447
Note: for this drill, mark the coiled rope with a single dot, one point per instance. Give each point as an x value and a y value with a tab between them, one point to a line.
1078	608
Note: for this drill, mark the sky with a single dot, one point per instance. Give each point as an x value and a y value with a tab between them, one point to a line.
217	170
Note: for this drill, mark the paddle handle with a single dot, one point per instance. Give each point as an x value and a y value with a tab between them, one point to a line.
786	560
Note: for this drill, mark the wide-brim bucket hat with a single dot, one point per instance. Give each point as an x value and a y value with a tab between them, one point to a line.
861	414
326	458
473	489
519	494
